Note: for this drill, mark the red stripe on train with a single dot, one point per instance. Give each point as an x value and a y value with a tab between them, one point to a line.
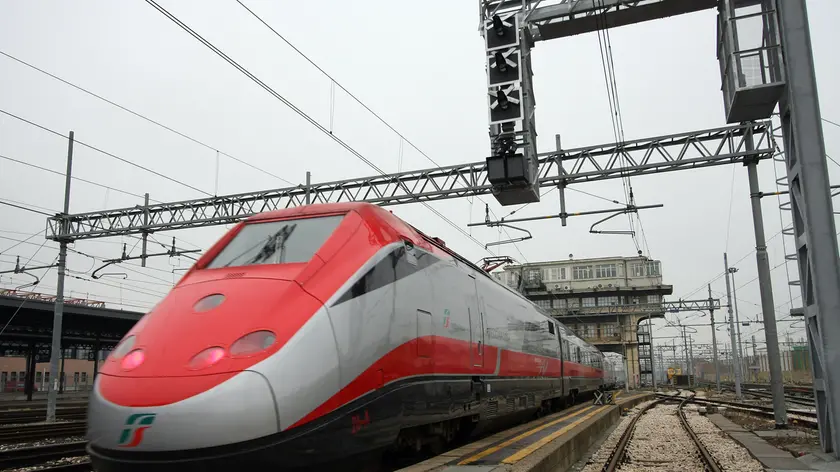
446	356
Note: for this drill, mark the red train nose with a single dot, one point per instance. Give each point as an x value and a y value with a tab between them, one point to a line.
211	327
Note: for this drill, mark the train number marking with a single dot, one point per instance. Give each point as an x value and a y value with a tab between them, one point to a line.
136	424
360	422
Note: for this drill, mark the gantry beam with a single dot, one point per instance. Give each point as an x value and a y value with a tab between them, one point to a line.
552	19
640	308
683	151
585	16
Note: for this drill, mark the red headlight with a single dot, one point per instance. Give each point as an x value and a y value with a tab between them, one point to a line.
252	343
206	358
133	359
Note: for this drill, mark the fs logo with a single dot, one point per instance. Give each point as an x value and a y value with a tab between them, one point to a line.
136	424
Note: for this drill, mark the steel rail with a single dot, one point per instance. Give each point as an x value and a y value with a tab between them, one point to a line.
705	456
28	456
618	453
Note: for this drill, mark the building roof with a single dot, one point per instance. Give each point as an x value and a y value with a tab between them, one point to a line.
580	261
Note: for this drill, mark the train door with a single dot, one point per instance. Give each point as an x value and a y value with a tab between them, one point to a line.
477	330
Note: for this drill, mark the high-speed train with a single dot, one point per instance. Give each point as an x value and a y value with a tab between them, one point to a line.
317	333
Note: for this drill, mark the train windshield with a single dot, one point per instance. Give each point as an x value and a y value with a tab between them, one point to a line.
277	242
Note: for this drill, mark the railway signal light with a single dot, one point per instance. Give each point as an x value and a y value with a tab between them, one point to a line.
501	32
505	103
504	66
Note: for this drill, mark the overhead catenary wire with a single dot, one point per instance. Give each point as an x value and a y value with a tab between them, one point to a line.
45	169
333	83
20	207
351	95
106	153
297	110
157	123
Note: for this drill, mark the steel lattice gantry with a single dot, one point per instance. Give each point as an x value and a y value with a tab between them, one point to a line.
712	147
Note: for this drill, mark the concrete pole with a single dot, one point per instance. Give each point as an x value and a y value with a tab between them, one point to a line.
652	367
735	355
738	326
52	388
685	348
714	339
765	286
691	361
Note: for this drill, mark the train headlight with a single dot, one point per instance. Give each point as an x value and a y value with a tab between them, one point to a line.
206	358
124	347
133	359
252	343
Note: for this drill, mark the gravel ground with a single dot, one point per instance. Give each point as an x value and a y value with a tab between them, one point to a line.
42	442
660	444
597	461
33	468
17	425
729	454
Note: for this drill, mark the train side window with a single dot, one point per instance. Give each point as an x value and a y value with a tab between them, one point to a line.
577	355
551	328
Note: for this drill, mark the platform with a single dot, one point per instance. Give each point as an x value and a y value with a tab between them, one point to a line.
547	444
771	457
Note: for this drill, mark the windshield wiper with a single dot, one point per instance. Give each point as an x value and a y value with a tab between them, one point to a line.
275	243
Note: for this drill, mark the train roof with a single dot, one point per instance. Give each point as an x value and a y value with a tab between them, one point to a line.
376	211
314	209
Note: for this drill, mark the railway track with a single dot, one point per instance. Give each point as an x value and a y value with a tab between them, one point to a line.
29	456
35	432
19	416
76	467
803	417
622	459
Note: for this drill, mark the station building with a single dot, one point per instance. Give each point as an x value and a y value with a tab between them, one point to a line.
603	300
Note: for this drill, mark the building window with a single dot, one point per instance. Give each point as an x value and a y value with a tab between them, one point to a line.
605	271
554	274
559	303
589	330
653	269
654	299
637	269
609	330
573	302
583	272
544	304
84	377
607	301
588	301
533	276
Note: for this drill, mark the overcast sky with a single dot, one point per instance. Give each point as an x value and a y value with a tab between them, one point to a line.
422	70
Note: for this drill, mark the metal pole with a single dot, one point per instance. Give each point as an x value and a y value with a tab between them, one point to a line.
308	183
685	346
146	223
735	355
765	286
561	185
813	222
652	369
714	339
691	361
741	356
52	388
